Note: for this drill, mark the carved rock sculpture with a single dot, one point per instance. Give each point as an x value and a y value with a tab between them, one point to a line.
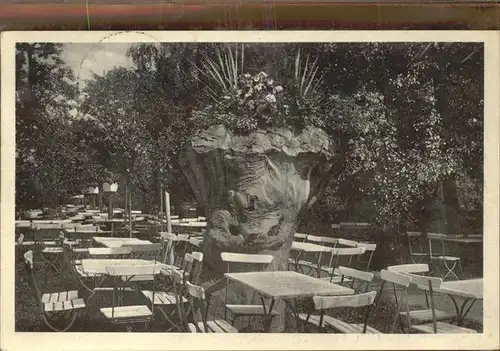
254	186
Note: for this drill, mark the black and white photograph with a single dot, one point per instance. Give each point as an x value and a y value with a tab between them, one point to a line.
251	186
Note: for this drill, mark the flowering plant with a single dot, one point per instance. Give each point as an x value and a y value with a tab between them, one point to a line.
245	102
258	101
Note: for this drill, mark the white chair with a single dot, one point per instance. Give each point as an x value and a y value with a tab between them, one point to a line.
200	323
440	257
134	313
416	247
436	327
324	303
318	240
245	262
337	254
54	305
165	301
369	250
421	315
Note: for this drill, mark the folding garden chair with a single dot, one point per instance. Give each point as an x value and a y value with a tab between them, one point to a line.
347	254
59	309
318	240
436	327
416	247
167	301
122	276
199	308
181	248
369	251
450	263
357	280
245	263
325	303
425	315
169	242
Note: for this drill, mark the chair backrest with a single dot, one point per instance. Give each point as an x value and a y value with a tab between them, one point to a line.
197	266
365	300
410	268
436	239
425	282
299	237
169	242
402	281
341	253
322	240
181	247
370	250
395	277
196	296
348	243
360	280
356	300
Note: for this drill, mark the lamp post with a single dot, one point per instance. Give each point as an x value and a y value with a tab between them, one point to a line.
110	189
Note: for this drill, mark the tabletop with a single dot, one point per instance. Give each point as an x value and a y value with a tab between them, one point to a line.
118	242
465	240
190	224
98	266
287	284
469	288
309	247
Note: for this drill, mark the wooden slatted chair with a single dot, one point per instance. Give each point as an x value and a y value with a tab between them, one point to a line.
416	247
245	262
181	248
169	242
436	327
322	241
339	254
199	308
135	313
167	302
355	279
440	258
299	237
399	282
324	303
369	251
425	315
55	307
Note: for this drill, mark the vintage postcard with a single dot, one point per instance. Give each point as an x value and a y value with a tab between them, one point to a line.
289	190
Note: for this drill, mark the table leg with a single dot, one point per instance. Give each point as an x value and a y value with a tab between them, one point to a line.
293	308
463	310
268	316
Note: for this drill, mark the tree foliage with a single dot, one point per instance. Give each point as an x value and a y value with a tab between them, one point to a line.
408	118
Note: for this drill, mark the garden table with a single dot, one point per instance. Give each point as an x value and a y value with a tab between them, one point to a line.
285	285
118	242
470	290
302	248
99	268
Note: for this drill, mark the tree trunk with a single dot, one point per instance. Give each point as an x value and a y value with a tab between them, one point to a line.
254	187
452	206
